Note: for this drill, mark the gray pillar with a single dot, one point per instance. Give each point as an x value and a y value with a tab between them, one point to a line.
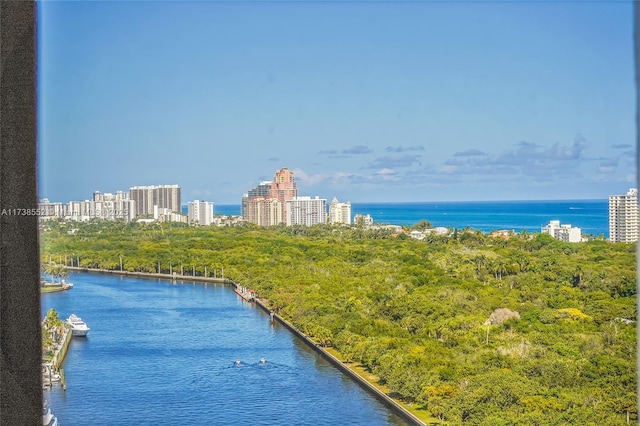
20	334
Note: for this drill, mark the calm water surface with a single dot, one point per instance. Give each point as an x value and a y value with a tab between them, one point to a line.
163	353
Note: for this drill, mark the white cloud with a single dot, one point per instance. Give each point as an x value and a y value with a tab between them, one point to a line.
309	180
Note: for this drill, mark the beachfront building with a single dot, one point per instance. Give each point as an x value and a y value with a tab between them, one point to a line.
103	206
200	213
339	212
264	211
565	233
259	204
263	190
162	196
114	206
284	186
167	215
305	211
421	235
362	220
623	217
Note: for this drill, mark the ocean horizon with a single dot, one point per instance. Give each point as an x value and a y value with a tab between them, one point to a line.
590	215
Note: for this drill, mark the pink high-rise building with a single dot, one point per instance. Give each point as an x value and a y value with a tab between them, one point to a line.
284	186
269	209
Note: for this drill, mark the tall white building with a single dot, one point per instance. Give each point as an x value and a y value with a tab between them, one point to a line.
623	217
163	196
200	213
339	212
565	233
305	211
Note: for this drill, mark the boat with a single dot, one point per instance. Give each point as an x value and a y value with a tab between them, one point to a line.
78	327
48	419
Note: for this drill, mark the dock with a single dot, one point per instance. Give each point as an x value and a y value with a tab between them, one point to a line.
51	371
244	293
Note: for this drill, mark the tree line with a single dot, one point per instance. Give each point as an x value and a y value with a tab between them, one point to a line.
429	318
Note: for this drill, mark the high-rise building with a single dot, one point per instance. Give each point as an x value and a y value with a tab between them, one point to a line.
339	212
260	205
305	211
263	190
284	186
200	213
265	211
623	217
162	196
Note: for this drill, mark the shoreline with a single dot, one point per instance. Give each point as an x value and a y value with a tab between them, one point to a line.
389	402
172	277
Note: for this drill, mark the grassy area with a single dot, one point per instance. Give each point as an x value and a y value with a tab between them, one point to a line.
51	288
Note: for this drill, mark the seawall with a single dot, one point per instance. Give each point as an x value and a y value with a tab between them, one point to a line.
173	277
383	397
262	304
58	358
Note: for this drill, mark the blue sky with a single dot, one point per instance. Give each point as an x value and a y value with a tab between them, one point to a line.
366	101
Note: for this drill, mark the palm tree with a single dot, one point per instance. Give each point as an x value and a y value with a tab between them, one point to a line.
48	269
57	270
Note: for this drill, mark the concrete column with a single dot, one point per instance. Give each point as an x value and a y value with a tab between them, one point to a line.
20	334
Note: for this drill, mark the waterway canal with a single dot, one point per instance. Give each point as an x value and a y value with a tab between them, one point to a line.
164	353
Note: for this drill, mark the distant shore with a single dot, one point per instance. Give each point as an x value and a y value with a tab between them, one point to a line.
263	304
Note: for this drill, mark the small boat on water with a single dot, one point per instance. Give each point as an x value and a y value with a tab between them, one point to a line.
78	327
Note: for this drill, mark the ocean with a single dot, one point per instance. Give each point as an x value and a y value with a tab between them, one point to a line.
591	216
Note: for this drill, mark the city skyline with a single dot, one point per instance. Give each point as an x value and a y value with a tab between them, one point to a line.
364	101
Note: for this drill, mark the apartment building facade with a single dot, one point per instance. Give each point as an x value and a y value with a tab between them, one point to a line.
265	204
339	212
306	211
200	213
162	196
565	232
623	217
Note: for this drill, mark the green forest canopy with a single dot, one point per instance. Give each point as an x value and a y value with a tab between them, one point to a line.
418	314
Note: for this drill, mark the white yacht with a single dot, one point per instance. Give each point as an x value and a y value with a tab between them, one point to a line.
48	419
78	327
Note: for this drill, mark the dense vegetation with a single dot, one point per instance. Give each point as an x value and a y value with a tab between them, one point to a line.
479	330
